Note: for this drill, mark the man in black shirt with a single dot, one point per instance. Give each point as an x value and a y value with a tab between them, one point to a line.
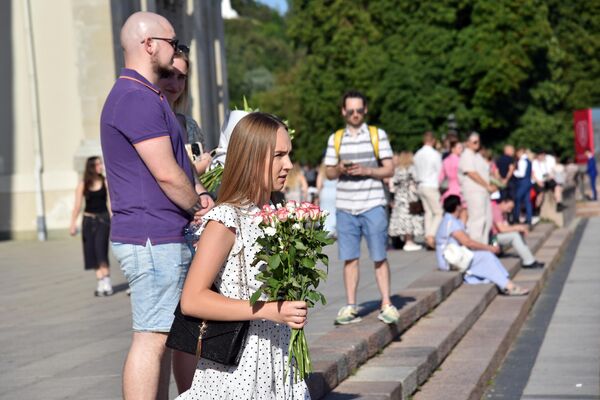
506	167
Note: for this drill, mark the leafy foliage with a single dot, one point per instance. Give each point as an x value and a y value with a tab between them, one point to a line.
514	70
257	50
291	247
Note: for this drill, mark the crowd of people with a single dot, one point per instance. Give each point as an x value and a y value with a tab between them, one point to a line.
447	195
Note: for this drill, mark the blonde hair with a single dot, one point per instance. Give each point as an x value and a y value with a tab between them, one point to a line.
252	143
293	178
180	105
405	159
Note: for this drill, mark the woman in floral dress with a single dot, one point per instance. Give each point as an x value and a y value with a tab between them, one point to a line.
402	222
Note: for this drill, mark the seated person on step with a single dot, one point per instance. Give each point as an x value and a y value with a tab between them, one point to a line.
485	266
511	234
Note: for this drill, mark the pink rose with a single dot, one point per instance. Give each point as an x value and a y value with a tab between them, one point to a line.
314	213
301	214
282	214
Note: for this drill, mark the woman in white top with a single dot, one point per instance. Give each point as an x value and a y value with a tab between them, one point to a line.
258	163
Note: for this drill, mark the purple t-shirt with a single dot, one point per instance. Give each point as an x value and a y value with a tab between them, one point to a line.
134	111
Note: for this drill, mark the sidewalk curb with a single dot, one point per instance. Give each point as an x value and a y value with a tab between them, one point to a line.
338	354
474	361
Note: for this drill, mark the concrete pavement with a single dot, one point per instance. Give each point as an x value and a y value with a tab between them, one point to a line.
568	364
58	341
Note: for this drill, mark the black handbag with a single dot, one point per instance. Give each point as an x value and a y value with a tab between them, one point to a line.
219	341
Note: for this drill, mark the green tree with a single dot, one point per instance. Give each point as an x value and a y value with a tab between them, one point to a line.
514	70
257	49
341	50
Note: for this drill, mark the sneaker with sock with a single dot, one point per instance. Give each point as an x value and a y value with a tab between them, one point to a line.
347	315
99	288
412	246
107	287
389	314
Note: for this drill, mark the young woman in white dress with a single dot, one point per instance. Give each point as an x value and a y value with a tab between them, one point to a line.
258	163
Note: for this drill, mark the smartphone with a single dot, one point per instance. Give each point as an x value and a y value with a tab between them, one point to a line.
348	164
196	149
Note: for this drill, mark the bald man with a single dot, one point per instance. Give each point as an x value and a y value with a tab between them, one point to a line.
152	200
474	178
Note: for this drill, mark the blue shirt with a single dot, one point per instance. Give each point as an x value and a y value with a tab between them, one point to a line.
443	236
135	110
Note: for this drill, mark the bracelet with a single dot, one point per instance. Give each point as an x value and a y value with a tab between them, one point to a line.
205	194
195	208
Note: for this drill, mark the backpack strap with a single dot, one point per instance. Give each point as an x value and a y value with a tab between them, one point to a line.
337	142
373	133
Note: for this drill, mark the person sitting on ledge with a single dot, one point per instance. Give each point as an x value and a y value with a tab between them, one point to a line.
485	266
511	234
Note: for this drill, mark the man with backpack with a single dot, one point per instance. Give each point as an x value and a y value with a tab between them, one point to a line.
360	157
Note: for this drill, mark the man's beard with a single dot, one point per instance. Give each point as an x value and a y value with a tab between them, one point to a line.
162	71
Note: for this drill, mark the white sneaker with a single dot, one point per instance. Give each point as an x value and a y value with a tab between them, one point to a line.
107	287
347	315
99	288
412	246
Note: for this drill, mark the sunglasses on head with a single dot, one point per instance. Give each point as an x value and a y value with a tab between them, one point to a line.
350	111
182	48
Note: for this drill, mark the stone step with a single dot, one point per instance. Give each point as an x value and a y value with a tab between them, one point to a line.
588	209
425	345
464	373
338	353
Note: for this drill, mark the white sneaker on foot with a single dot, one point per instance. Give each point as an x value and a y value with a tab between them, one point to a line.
107	287
411	246
347	315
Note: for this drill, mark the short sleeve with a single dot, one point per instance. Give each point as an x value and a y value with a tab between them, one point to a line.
385	149
331	159
455	226
226	215
194	132
140	116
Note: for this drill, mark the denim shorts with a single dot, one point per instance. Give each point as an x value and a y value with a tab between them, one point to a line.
372	224
155	274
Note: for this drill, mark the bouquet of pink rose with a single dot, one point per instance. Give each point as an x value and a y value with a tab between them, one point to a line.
292	245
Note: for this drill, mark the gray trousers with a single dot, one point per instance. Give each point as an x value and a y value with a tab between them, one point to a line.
516	241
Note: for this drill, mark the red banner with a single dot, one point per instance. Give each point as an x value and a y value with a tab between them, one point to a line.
584	134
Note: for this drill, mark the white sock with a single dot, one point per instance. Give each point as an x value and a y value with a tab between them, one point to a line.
106	281
100	285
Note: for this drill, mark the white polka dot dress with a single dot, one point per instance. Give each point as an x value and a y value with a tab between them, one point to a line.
261	373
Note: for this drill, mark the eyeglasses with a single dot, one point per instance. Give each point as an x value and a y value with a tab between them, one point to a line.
173	42
182	48
350	112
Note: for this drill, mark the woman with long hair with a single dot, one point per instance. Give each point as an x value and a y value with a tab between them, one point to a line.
296	186
402	222
258	163
175	85
95	227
